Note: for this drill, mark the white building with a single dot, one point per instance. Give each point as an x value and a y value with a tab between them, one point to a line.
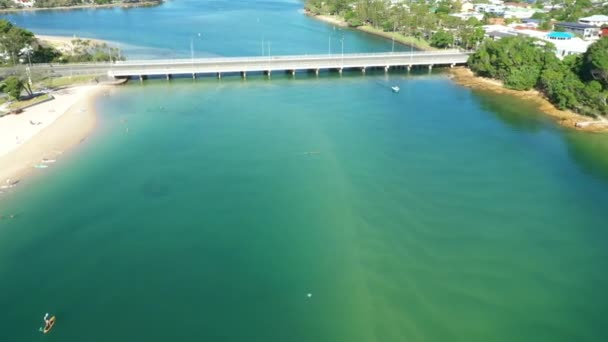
489	8
565	43
594	20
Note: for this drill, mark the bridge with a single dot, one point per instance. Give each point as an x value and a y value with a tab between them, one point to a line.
193	67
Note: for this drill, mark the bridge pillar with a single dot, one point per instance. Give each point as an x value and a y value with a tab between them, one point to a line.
168	77
141	78
317	72
244	74
219	75
267	73
340	71
193	76
363	70
452	65
430	67
409	68
293	72
386	68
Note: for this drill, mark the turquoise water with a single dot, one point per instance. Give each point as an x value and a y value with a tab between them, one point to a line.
227	28
435	214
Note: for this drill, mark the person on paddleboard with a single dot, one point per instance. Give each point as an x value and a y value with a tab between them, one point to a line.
47	322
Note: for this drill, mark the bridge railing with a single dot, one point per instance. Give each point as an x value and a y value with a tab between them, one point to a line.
287	57
249	59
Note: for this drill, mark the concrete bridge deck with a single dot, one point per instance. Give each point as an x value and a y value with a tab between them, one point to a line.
243	65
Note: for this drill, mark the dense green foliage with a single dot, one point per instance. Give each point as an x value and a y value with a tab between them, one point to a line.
13	39
578	83
21	46
442	39
416	18
12	86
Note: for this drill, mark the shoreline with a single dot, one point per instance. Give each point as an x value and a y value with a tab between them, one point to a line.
92	6
74	120
53	40
465	77
405	40
64	43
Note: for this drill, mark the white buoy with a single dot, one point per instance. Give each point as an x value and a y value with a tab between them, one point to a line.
309	295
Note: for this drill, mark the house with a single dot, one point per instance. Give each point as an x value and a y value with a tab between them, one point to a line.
594	20
488	8
496	32
467	7
565	46
496	35
583	30
565	43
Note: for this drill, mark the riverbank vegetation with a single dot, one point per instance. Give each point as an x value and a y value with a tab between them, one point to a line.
578	82
20	46
45	4
418	19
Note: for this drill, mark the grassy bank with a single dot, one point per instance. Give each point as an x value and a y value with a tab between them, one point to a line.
57	82
29	102
417	43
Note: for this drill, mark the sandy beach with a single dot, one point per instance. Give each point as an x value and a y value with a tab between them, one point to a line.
46	130
65	40
467	78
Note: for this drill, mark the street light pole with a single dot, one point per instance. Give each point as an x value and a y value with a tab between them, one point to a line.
192	47
342	41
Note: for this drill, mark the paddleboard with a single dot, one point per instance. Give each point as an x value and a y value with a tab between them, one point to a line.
51	325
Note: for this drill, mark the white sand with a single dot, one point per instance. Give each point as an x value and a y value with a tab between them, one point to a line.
64	122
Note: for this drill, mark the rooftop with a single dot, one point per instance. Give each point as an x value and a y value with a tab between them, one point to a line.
596	17
574	25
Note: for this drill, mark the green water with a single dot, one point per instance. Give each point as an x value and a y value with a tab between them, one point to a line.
435	214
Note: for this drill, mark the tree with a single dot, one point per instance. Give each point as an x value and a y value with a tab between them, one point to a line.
517	61
12	86
13	38
442	39
595	62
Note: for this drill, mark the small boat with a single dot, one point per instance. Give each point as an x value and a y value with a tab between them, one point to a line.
395	89
48	160
41	166
50	325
